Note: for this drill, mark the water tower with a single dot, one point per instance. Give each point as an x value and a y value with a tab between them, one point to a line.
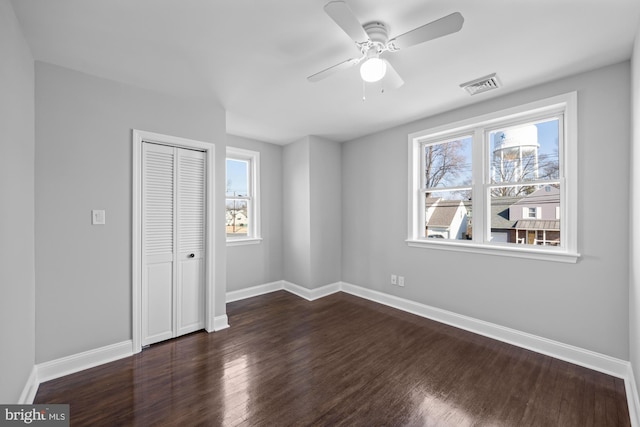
515	154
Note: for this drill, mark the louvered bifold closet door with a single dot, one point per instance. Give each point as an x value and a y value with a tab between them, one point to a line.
191	240
158	242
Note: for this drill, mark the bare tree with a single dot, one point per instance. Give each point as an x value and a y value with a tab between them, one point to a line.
519	167
513	168
234	207
444	163
550	165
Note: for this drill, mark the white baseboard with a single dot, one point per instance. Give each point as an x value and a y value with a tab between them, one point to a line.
302	292
30	388
312	294
579	356
78	362
633	400
255	291
220	322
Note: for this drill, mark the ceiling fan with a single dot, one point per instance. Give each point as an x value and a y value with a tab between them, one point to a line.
372	40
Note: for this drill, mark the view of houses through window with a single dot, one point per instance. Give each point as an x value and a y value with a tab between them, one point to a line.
525	191
521	184
447	183
238	198
242	213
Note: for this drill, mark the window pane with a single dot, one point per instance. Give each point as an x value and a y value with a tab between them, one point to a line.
529	219
237	218
525	153
448	164
237	177
447	215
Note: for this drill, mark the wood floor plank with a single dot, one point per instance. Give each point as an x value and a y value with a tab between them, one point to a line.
338	361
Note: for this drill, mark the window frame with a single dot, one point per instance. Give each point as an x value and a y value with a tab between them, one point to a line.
526	212
565	107
423	188
252	198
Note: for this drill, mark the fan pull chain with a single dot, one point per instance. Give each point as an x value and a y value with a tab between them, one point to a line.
364	91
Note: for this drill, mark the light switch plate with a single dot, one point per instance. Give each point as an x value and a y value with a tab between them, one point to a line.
97	217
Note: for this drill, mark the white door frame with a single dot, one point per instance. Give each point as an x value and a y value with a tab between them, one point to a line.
139	137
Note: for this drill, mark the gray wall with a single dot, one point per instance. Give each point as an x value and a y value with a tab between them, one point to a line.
634	283
296	214
312	212
252	265
83	162
326	211
583	304
17	257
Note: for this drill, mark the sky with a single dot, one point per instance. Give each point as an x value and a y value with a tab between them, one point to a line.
547	138
237	177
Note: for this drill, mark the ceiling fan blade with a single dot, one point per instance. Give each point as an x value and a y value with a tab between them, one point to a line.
333	69
438	28
391	79
340	12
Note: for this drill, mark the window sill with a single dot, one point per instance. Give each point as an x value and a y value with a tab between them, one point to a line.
242	242
500	250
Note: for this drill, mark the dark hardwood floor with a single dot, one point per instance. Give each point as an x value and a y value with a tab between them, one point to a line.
339	360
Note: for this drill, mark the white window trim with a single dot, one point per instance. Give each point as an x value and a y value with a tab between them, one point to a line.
526	212
255	236
567	105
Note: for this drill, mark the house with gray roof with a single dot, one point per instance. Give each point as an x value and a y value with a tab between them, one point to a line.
446	219
533	219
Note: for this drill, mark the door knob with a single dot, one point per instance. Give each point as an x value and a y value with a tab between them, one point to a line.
192	255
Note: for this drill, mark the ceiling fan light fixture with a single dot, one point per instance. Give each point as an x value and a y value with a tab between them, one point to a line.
373	70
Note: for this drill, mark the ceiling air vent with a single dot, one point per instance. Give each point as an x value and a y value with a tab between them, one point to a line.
482	84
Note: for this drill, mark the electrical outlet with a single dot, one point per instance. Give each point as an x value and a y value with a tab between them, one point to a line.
400	280
394	279
97	217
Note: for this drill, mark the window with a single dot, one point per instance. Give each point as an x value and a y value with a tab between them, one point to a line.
530	213
447	187
242	216
504	183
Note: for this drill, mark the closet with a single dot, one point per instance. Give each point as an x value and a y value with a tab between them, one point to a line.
173	241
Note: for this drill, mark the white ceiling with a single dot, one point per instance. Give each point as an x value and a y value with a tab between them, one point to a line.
253	56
